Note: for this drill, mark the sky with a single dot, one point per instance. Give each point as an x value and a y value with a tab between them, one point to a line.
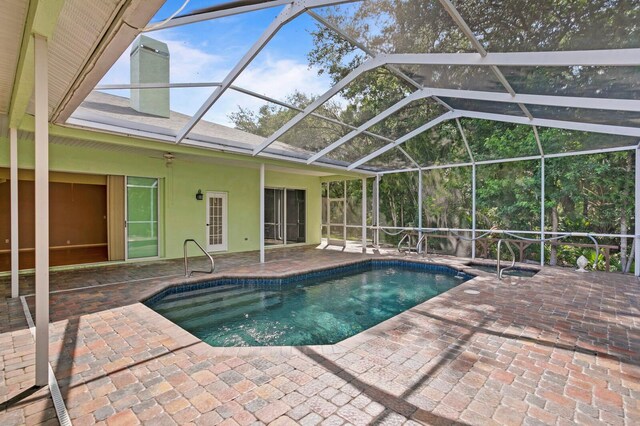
207	51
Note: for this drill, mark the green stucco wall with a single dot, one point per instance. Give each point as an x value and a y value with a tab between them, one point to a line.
181	215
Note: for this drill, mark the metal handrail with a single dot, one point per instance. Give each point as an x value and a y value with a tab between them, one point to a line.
423	238
404	237
187	274
513	256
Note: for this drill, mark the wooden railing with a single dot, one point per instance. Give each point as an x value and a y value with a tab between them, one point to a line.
483	245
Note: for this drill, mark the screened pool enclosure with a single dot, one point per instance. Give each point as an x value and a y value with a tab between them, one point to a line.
460	120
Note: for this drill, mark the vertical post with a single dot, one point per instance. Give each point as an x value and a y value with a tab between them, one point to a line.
284	216
344	213
542	195
376	206
41	91
637	214
13	160
262	213
364	215
420	209
328	212
473	210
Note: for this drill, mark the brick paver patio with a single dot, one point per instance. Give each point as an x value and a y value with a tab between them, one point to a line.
558	348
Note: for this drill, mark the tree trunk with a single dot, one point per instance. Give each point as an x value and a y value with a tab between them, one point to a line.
553	258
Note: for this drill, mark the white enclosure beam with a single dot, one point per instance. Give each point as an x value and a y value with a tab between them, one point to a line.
558	101
444	117
508	160
41	92
261	212
473	211
542	209
596	58
364	67
232	87
537	136
395	70
15	239
376	207
215	14
231	11
420	210
636	231
289	13
315	114
460	22
364	215
464	139
373	121
559	124
155	86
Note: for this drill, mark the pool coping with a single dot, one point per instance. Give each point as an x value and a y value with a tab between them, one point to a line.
343	346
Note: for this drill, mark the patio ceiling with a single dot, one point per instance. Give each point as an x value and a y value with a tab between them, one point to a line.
469	65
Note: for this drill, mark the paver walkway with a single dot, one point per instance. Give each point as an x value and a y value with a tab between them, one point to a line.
558	348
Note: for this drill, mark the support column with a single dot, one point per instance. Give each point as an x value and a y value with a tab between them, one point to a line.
262	213
637	214
420	209
15	242
344	213
376	206
542	196
473	210
41	91
364	215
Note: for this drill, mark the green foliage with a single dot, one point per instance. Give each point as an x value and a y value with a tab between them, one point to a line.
585	193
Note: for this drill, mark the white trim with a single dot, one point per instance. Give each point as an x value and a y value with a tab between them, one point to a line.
15	213
636	230
364	67
54	389
41	94
216	14
559	101
261	213
224	196
596	58
126	217
378	118
444	117
559	124
508	160
288	14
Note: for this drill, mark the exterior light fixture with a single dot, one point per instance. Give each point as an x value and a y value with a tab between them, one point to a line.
199	195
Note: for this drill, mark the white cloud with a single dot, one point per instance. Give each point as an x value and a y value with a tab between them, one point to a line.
188	64
272	77
267	75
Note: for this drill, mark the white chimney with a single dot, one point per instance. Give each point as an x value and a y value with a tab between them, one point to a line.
150	64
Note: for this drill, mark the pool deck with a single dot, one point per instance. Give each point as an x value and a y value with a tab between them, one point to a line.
559	348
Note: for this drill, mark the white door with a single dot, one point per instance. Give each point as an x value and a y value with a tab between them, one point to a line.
216	221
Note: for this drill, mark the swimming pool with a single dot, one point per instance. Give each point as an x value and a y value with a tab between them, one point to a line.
311	309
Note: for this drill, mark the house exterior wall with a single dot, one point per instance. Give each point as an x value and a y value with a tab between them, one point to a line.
181	215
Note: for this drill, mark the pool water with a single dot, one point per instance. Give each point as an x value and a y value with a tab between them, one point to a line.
515	272
310	312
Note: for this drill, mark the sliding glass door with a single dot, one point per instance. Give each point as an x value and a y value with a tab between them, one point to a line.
284	216
142	217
